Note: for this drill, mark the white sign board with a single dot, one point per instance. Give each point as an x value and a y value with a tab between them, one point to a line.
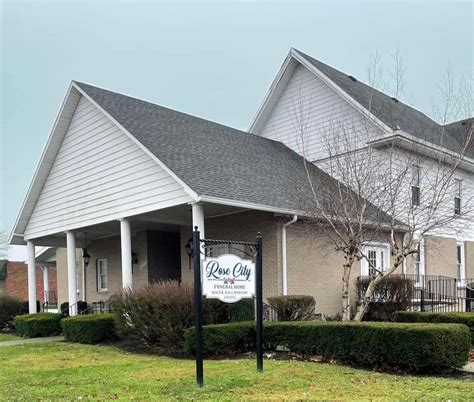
228	278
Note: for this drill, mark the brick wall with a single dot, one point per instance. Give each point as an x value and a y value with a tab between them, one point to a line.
244	227
17	280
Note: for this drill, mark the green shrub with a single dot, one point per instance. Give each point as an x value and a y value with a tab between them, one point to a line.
414	347
293	308
243	310
37	325
9	308
465	318
89	328
393	293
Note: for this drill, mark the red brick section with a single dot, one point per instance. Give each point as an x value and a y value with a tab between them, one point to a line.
17	280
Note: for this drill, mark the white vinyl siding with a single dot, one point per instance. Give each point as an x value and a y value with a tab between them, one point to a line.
98	175
308	105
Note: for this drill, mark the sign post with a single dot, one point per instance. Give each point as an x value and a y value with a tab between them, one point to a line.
228	278
198	307
259	291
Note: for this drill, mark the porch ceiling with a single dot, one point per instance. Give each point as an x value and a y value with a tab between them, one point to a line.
168	220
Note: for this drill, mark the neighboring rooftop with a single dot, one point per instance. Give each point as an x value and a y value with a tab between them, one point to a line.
396	114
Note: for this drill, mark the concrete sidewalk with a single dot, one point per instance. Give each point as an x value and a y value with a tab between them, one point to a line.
33	340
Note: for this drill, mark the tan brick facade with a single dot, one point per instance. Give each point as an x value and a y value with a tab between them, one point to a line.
314	267
108	248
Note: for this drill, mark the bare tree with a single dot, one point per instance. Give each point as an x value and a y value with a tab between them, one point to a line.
3	245
378	194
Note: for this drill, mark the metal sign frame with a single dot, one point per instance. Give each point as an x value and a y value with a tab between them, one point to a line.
197	248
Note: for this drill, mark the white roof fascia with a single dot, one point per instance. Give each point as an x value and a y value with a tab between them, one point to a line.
432	150
295	55
35	194
270	94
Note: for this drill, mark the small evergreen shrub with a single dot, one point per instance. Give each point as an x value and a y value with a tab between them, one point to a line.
9	308
466	318
38	325
412	347
293	308
393	293
89	328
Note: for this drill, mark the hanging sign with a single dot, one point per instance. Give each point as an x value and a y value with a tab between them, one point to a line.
228	278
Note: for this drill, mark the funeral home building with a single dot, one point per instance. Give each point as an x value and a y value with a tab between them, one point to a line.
122	182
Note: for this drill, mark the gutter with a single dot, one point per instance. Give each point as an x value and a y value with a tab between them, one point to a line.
284	266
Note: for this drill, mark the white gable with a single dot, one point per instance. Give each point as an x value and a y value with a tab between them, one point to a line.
308	112
99	174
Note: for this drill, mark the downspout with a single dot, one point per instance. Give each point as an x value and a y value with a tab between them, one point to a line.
284	267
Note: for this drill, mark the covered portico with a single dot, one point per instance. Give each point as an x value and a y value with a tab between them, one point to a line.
176	219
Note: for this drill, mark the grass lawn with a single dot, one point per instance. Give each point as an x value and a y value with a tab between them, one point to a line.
8	337
62	370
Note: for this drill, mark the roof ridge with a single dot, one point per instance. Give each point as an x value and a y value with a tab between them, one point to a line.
81	84
367	85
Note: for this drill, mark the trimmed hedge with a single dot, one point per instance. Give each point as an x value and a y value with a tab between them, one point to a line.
465	318
89	328
37	325
412	347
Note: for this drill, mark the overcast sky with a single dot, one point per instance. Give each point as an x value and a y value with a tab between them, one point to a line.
212	59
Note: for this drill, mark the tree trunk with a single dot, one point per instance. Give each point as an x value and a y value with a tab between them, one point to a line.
362	309
346	303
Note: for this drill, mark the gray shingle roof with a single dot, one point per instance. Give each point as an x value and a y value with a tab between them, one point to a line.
215	160
396	114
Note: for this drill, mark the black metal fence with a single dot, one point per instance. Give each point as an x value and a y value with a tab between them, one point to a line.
436	293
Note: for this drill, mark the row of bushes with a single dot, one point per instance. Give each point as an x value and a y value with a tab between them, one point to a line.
413	347
436	318
89	328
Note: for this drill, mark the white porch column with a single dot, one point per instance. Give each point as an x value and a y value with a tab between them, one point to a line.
46	283
198	218
126	242
71	272
30	253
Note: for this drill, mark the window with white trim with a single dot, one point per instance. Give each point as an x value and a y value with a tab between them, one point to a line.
102	275
419	264
457	196
461	271
376	259
415	186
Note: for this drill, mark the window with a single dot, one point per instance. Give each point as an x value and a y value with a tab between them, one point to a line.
460	263
376	259
415	186
457	196
102	275
419	265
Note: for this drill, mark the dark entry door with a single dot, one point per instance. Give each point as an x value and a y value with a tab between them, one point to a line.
164	259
